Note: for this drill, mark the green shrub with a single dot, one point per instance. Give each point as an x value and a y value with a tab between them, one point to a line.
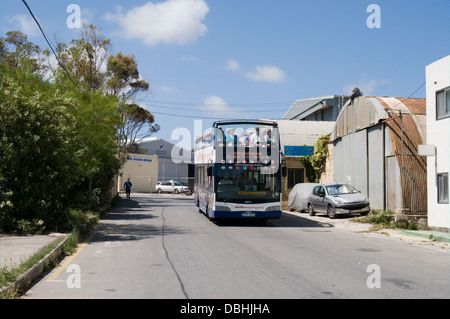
30	227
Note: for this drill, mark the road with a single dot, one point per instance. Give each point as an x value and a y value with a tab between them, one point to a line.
160	246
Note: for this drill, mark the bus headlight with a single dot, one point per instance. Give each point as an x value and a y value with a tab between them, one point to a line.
273	208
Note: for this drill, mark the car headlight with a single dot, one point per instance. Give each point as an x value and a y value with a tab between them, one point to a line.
366	201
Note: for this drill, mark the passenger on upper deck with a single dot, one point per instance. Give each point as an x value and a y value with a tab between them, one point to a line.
230	138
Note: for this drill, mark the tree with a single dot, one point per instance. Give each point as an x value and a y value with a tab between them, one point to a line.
17	52
85	58
137	124
314	163
124	81
38	148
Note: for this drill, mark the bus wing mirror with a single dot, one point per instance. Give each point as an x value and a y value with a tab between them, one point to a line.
209	171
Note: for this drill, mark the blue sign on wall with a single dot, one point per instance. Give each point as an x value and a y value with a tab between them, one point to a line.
139	159
298	150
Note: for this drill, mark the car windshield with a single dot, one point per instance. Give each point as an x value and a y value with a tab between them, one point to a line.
340	189
177	184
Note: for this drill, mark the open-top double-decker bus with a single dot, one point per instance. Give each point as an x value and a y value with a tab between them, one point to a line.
238	170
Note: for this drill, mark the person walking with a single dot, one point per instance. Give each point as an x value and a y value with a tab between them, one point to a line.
127	186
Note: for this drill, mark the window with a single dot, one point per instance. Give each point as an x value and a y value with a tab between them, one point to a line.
443	104
442	183
200	175
316	190
319	191
295	176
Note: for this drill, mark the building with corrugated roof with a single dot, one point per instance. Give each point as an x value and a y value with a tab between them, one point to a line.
325	108
375	142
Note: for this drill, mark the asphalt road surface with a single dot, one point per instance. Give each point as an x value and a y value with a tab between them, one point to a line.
160	246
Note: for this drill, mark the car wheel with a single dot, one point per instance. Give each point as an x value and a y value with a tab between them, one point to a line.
331	212
176	191
311	210
159	190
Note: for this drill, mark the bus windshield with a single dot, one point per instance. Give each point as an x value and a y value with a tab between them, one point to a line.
247	184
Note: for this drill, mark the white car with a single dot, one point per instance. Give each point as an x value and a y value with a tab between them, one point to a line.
298	197
171	187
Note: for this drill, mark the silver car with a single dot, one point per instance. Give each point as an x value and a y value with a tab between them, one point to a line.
335	199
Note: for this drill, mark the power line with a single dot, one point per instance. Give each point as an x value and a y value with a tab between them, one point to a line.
202	110
48	42
409	96
235	105
202	117
191	116
417	90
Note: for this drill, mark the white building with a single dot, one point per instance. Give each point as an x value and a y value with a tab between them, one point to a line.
142	170
173	162
438	140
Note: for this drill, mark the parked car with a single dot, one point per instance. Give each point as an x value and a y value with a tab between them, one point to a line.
171	187
298	197
335	199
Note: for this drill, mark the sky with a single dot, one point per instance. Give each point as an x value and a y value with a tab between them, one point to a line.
209	60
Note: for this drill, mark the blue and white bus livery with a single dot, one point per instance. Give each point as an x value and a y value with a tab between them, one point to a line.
237	170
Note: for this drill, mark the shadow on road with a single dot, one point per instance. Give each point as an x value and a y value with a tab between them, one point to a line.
133	220
286	220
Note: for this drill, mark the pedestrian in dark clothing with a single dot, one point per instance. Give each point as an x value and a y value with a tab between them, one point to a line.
127	186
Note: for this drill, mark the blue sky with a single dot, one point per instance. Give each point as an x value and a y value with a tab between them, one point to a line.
215	59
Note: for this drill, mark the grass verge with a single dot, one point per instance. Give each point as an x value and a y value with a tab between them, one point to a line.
81	221
381	219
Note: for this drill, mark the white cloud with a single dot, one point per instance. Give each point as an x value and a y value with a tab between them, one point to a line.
266	73
232	65
170	22
216	106
189	58
26	24
367	86
165	89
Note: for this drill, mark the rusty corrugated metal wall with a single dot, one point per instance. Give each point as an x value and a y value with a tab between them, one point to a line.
395	175
406	133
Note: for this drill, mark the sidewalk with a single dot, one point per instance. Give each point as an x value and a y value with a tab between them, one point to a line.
345	223
428	234
15	250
